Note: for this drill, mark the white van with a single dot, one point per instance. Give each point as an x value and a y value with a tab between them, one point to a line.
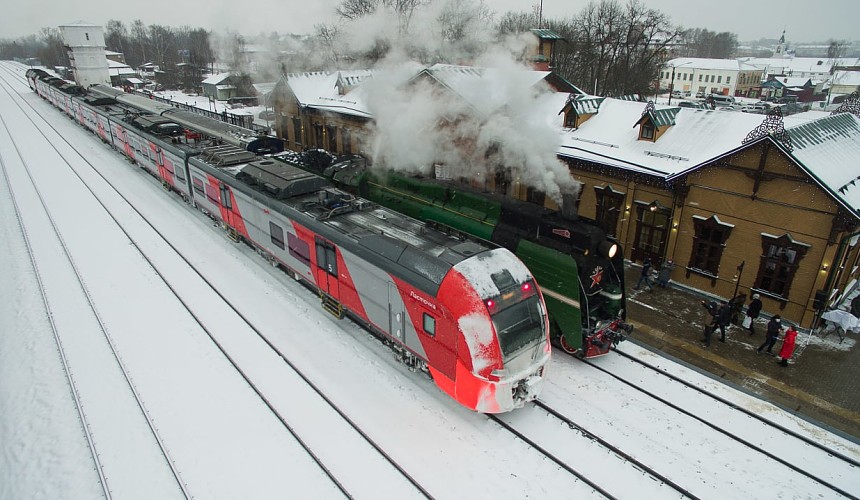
723	100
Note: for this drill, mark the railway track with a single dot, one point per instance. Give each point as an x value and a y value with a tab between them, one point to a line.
819	463
213	336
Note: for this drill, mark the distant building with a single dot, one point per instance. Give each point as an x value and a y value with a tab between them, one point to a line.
710	76
219	87
85	44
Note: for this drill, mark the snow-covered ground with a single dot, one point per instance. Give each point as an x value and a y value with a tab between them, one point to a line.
228	436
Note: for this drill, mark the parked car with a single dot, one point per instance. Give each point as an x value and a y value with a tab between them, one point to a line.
677	93
700	94
690	104
754	108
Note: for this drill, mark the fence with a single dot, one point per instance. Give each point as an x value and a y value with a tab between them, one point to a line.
244	121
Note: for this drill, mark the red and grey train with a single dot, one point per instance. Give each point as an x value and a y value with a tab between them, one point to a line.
465	311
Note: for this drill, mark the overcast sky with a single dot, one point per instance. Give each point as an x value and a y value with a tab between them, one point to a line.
750	20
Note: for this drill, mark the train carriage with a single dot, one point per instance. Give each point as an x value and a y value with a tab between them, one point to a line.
467	312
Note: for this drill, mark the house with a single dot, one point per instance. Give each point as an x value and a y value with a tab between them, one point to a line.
744	204
219	87
119	71
710	76
801	87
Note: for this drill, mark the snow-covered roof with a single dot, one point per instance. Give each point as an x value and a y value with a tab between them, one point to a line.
487	89
134	81
319	90
698	136
799	64
216	79
846	77
710	64
829	149
702	136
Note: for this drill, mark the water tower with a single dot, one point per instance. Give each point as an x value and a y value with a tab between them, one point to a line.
85	44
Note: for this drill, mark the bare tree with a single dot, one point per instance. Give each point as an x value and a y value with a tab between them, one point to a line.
116	36
140	40
53	53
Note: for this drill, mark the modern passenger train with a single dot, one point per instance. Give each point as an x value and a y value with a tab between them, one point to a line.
464	310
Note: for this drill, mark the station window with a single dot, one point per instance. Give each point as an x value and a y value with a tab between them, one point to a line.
708	243
779	263
429	323
277	233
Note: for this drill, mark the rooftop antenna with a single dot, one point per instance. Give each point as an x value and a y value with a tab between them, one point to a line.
540	15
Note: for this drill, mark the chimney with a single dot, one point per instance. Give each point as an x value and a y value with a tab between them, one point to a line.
568	207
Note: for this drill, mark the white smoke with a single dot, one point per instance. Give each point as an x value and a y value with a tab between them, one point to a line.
500	125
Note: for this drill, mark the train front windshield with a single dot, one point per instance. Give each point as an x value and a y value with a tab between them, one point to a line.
519	325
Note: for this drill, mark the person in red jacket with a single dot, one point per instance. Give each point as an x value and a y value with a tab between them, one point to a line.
787	345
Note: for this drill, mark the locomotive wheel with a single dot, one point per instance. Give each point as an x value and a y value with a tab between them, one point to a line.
565	346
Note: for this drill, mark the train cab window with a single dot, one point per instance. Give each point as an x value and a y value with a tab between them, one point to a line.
429	325
277	234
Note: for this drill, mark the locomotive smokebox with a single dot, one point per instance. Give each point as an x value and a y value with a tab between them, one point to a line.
568	207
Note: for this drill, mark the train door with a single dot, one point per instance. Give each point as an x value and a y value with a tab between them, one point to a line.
327	268
396	313
227	204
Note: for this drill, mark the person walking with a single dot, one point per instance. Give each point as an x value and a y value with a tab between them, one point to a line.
753	310
773	328
724	317
645	276
665	273
710	321
787	345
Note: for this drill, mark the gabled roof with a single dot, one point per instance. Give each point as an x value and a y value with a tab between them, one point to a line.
216	79
829	149
585	105
698	137
485	89
546	34
659	117
319	90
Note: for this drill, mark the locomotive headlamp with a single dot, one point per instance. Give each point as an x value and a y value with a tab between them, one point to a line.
608	248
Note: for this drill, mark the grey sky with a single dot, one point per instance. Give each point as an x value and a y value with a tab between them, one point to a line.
803	21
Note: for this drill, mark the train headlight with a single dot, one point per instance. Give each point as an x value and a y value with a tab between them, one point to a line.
608	248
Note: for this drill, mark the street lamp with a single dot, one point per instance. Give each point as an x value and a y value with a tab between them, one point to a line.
672	82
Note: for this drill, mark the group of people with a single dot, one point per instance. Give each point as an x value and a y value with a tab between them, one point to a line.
662	276
720	315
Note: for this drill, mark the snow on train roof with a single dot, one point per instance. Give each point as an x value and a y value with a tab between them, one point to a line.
475	270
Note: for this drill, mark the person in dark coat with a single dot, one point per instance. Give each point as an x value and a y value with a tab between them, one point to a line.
753	310
724	317
787	345
645	276
773	329
711	321
855	306
665	273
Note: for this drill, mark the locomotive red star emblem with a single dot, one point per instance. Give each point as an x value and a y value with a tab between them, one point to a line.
596	276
